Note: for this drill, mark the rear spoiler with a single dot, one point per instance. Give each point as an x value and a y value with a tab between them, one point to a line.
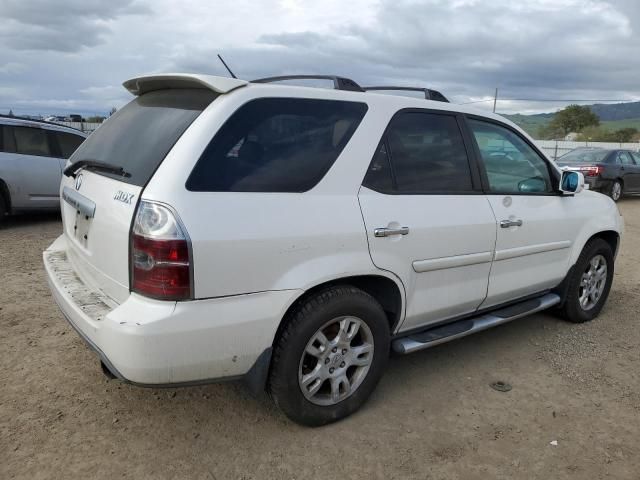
163	81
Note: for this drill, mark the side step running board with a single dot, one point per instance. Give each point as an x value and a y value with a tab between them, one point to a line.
462	328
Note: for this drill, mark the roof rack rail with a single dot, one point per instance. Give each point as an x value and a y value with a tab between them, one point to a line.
45	122
429	94
339	83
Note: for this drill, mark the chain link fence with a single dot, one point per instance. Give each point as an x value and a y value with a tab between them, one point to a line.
557	148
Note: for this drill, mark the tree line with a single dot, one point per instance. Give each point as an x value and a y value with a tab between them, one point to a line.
581	120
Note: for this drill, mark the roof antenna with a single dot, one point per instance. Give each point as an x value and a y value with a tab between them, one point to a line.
226	66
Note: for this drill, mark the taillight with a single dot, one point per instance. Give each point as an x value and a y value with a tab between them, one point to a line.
591	171
160	254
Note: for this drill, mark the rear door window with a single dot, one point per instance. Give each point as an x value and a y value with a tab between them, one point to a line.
67	143
624	158
276	145
427	155
138	136
7	142
32	141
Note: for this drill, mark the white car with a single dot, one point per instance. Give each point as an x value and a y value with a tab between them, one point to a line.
293	236
33	154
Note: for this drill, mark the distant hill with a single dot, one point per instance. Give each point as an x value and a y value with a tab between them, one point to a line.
612	116
616	111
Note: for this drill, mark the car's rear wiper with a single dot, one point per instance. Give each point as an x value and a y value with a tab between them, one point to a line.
72	169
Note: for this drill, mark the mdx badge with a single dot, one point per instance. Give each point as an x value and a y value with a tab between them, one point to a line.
123	197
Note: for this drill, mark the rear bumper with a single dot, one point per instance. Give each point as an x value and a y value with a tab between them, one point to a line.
597	184
156	343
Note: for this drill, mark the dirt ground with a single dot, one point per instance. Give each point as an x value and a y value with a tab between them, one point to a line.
433	415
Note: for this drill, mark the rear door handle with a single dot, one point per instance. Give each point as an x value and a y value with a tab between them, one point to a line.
387	232
510	223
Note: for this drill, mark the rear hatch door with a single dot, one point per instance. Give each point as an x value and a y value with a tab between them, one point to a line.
98	203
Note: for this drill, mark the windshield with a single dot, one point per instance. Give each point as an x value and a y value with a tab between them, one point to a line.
138	136
584	156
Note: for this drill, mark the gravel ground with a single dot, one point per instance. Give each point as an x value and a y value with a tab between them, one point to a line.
433	415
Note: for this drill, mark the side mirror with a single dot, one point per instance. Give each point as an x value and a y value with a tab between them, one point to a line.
572	182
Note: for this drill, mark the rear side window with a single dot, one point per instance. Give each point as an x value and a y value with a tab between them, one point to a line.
139	135
67	142
624	158
276	145
31	141
379	176
7	142
427	155
4	145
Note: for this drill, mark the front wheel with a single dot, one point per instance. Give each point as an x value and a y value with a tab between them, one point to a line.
329	356
590	282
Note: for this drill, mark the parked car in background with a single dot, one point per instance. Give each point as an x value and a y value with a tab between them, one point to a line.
613	172
32	157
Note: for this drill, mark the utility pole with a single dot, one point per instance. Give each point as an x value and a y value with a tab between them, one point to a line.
495	99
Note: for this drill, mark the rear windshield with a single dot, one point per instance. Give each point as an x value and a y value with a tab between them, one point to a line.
138	136
276	145
584	156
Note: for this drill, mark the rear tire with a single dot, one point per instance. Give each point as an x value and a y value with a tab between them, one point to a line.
334	345
590	282
616	190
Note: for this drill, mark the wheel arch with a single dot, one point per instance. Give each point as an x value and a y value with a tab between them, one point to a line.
610	236
389	292
385	288
603	221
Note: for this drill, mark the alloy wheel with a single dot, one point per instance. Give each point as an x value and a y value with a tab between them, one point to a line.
593	282
336	360
616	191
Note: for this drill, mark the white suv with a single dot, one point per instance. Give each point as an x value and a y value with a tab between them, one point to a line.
216	229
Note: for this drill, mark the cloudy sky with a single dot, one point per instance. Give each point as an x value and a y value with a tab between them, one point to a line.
72	55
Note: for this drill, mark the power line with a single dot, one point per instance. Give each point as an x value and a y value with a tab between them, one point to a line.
476	101
557	100
626	100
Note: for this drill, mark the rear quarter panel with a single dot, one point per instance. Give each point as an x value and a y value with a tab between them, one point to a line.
252	242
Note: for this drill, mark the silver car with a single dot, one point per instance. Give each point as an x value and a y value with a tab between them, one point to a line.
32	156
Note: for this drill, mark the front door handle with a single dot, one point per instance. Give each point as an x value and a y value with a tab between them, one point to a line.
510	223
387	232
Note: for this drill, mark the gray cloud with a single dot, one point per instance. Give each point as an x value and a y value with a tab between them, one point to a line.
538	49
468	47
63	27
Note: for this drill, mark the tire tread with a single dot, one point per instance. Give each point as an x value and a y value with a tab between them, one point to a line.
570	311
279	382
